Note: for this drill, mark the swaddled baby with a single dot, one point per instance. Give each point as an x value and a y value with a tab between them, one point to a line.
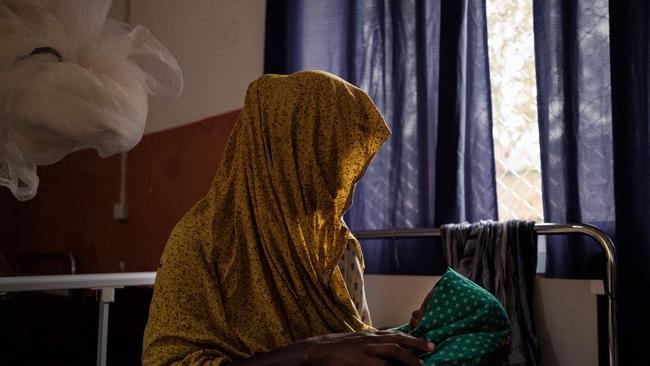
467	323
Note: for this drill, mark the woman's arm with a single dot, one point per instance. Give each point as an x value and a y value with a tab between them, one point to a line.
343	349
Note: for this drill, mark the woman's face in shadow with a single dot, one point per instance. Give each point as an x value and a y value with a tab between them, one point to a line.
417	315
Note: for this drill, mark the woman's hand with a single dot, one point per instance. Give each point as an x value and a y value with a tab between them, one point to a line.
364	348
378	348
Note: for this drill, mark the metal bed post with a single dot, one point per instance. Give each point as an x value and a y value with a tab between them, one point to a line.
104	283
545	229
106	297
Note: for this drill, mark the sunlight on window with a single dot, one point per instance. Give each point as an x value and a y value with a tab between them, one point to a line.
514	107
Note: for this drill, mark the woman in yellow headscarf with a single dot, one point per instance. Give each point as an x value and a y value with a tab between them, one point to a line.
250	275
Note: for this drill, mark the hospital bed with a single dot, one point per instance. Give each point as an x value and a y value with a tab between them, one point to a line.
106	284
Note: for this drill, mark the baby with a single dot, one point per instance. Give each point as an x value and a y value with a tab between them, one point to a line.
466	323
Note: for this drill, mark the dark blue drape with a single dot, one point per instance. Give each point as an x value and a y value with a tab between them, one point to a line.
424	63
630	59
574	113
594	102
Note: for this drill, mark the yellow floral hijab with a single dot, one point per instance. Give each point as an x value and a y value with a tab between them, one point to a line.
253	265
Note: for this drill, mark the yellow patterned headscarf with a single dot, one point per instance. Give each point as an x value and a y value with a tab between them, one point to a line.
253	265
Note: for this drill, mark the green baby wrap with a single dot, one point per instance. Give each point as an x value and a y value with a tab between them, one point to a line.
465	322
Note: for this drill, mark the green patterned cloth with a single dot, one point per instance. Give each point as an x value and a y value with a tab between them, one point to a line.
465	322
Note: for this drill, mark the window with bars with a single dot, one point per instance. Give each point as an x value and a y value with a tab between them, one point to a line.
514	113
514	107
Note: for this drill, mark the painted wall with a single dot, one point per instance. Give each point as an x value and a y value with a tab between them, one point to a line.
219	45
167	173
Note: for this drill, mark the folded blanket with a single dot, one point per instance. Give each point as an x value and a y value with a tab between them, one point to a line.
466	323
502	258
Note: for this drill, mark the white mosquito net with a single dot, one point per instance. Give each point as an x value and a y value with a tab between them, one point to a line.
72	78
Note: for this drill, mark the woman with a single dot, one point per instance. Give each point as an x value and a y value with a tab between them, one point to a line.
249	275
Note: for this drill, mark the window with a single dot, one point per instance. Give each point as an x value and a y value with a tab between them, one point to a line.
514	107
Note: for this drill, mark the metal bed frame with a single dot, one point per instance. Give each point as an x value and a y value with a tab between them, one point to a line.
544	229
105	284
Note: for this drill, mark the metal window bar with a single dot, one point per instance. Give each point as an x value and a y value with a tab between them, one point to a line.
544	229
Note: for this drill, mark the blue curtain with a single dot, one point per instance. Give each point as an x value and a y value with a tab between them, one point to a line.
574	113
424	63
594	103
630	52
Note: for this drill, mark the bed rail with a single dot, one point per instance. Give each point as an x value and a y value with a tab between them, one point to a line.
104	283
601	237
